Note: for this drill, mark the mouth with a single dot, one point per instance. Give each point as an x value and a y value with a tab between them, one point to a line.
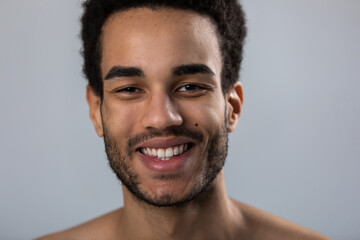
166	154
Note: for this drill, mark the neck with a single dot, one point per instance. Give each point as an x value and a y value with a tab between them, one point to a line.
211	215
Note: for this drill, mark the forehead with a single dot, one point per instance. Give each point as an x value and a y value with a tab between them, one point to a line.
142	36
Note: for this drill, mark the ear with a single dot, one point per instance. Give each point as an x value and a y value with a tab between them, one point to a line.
94	102
234	101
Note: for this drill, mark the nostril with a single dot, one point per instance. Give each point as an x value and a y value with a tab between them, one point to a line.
161	111
162	118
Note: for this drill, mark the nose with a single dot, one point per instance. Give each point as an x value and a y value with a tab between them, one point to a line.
161	112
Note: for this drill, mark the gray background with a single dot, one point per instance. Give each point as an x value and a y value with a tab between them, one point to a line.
295	152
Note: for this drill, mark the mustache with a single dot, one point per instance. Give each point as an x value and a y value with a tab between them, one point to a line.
171	131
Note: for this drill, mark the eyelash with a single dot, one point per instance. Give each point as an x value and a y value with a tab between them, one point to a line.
187	90
197	86
131	89
128	90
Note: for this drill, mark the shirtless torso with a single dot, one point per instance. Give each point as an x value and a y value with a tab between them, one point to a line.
230	220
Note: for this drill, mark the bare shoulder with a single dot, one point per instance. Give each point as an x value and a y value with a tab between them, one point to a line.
93	229
263	225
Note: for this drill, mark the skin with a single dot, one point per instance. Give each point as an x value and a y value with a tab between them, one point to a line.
156	42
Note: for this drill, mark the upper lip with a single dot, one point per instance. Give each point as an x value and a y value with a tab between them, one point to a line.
164	142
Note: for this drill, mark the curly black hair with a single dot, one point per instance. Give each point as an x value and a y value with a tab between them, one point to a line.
227	15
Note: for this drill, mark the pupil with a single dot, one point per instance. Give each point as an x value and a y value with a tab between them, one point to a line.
190	87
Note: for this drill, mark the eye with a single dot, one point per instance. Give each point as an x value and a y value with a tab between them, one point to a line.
129	90
190	88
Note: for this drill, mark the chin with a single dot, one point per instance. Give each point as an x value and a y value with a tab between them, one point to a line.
167	191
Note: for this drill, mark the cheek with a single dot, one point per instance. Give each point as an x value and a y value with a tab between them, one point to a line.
120	119
204	115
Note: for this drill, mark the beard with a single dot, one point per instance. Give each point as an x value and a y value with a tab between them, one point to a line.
120	162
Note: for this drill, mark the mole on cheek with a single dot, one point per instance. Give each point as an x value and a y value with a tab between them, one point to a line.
196	125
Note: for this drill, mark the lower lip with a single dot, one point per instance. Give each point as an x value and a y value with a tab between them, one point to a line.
171	165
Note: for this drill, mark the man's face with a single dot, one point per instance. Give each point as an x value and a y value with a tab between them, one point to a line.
163	112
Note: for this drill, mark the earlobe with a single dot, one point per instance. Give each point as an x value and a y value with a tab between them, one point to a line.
94	102
234	99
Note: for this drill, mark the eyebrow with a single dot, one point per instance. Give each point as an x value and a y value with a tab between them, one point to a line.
195	68
186	69
119	71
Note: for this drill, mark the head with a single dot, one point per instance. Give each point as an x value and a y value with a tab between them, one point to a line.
227	16
163	91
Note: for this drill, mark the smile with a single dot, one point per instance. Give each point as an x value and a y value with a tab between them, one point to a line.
166	154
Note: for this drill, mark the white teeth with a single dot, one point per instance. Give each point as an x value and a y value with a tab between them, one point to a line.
176	150
181	149
161	153
154	152
165	154
169	153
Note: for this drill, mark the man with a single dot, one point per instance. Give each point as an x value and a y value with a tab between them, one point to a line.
163	93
